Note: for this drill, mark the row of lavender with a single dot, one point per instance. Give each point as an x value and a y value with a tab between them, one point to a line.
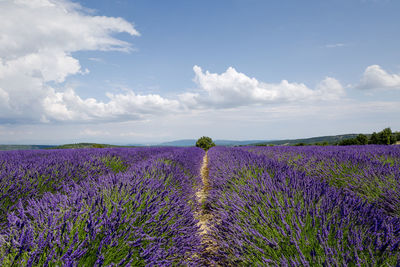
373	172
99	206
283	206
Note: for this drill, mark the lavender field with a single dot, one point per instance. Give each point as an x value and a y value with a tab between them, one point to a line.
260	206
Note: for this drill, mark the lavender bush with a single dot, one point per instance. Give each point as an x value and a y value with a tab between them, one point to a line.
373	172
100	207
269	206
270	213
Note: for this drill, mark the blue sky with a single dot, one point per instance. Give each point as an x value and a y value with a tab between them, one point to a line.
148	71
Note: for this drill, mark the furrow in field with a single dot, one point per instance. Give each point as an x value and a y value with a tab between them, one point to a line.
205	218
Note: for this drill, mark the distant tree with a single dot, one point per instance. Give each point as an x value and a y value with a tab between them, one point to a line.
397	135
386	137
300	144
348	142
362	139
374	139
205	143
98	146
393	139
325	143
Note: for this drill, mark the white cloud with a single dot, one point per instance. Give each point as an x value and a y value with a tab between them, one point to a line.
4	98
375	77
37	41
91	133
289	120
328	89
29	27
232	89
68	106
37	38
96	59
335	45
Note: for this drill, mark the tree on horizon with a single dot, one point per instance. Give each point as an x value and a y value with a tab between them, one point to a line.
205	143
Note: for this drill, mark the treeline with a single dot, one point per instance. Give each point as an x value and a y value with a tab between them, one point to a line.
384	137
83	145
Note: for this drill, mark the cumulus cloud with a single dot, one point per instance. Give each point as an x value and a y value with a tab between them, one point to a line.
374	77
68	106
31	26
232	89
37	42
37	39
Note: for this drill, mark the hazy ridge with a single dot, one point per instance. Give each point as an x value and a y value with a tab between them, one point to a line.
191	142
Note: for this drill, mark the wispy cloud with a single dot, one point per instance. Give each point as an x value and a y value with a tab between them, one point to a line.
91	132
336	45
96	59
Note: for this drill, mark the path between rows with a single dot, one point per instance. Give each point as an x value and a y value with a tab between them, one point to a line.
206	219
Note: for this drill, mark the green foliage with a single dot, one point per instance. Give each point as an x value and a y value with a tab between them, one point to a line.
384	137
83	145
397	136
322	143
374	139
362	139
115	163
205	143
98	146
331	140
300	144
349	142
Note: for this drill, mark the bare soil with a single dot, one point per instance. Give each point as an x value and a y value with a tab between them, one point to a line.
206	218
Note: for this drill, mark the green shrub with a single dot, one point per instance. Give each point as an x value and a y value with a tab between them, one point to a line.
205	143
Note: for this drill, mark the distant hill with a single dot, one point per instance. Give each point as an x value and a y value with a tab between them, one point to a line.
78	145
238	143
84	145
192	142
332	139
23	147
183	142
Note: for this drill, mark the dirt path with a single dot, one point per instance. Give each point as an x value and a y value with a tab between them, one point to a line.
201	195
205	218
